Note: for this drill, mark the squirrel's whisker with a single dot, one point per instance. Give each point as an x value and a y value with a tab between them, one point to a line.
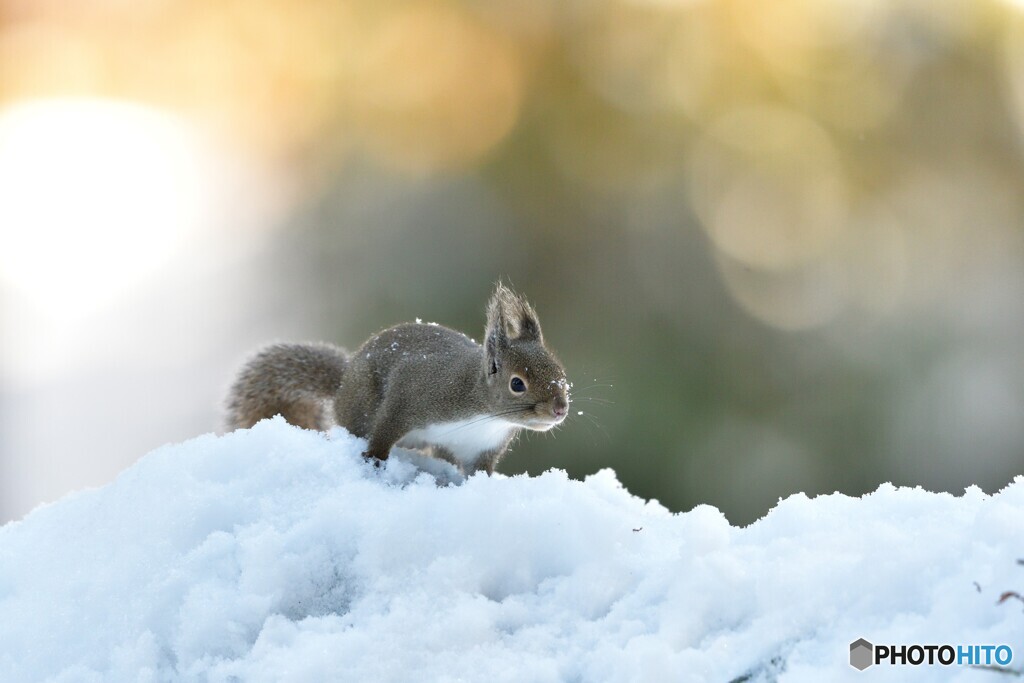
595	399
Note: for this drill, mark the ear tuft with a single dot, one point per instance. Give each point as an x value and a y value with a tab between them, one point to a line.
512	315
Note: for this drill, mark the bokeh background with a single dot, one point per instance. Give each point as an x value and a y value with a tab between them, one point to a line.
780	245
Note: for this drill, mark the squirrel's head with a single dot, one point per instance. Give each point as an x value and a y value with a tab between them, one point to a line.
527	383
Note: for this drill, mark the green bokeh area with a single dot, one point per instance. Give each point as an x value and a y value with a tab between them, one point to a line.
689	397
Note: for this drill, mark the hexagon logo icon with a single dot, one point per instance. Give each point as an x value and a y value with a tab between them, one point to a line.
861	654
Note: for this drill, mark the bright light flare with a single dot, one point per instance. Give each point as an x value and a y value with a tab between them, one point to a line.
95	196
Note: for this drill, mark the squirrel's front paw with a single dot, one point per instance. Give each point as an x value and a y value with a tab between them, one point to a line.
376	459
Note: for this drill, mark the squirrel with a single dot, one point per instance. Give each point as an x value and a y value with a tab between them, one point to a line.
417	385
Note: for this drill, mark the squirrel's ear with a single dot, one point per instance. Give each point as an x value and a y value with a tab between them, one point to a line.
492	355
495	336
511	316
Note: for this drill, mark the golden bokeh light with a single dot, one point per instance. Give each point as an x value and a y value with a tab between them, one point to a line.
768	187
792	300
759	110
791	33
1013	66
39	59
858	95
644	57
436	88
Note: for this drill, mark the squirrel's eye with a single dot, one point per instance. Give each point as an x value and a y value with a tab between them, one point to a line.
517	385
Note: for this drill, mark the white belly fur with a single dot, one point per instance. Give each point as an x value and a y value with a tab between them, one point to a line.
466	439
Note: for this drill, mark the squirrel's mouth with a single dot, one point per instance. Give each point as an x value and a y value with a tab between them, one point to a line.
543	424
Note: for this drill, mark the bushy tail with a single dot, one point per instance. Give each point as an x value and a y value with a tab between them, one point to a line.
295	381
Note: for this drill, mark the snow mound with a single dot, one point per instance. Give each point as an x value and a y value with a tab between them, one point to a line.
277	554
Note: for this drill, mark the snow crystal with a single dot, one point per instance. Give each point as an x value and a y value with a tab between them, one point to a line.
278	554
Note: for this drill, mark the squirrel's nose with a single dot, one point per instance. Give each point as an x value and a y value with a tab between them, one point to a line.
560	407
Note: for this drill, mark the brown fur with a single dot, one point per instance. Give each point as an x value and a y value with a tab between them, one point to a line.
409	377
295	381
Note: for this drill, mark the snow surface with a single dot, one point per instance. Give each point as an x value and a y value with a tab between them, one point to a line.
277	554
